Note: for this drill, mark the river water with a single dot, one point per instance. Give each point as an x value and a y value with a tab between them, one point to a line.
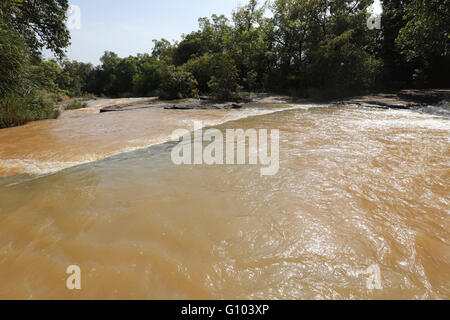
356	188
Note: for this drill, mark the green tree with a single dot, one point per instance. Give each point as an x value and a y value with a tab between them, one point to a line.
397	71
75	77
124	74
105	77
425	38
338	56
322	44
214	36
164	50
46	75
14	63
146	82
177	84
339	67
252	46
224	82
215	73
203	69
40	22
427	31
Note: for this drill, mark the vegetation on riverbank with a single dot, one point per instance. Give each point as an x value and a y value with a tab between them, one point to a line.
304	48
27	90
17	109
74	105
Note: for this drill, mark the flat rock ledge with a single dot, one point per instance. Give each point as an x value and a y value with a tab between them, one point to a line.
403	100
188	104
203	107
145	103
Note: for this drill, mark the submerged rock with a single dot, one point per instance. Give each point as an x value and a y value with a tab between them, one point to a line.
190	107
114	108
132	105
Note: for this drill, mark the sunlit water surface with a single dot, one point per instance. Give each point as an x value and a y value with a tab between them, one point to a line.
356	188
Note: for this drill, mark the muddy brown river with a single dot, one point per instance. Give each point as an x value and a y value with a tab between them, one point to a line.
357	190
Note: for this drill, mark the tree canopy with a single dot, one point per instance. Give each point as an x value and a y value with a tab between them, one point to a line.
28	86
40	22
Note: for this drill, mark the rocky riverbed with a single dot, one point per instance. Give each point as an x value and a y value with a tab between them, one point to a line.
405	99
203	103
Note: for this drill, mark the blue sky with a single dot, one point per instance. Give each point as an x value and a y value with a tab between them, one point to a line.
128	27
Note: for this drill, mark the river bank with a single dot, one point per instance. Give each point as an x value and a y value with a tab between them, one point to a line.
404	99
411	99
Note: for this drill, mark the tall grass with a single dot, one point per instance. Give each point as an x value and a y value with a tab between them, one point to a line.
16	110
73	105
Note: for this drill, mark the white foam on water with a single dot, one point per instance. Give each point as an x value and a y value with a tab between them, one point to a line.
35	167
385	118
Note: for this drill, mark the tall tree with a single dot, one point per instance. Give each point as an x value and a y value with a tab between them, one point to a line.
214	36
397	70
14	62
323	44
252	46
75	76
40	22
425	38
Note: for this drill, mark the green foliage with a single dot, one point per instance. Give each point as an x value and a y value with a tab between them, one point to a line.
124	74
74	105
114	77
74	77
216	74
28	91
252	45
148	80
40	22
415	43
214	36
17	110
163	50
203	69
46	75
425	40
306	47
14	62
396	71
29	87
323	45
427	31
107	76
340	68
224	82
177	84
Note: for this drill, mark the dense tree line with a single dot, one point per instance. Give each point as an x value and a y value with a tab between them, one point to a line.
308	48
